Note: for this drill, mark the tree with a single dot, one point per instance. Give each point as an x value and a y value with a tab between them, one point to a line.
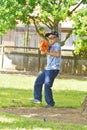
52	12
49	13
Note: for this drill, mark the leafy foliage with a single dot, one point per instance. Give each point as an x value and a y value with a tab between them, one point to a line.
53	11
80	29
46	12
11	11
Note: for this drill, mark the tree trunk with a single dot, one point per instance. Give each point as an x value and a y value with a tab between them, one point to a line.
84	107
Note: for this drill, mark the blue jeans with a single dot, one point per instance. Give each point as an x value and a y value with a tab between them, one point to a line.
47	78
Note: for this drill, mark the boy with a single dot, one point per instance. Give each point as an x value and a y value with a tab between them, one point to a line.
50	72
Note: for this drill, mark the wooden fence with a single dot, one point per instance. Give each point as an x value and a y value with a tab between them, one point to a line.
31	59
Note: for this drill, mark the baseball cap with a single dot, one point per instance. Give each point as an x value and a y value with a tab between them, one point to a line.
52	32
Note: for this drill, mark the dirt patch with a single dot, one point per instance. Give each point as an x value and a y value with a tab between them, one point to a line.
64	115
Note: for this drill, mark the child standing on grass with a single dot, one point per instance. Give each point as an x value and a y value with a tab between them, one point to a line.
50	72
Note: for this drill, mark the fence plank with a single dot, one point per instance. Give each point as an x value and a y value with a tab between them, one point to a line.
70	63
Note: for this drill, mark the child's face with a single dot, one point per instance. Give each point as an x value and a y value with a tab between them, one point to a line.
52	39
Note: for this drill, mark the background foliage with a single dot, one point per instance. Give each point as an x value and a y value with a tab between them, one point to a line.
80	29
46	12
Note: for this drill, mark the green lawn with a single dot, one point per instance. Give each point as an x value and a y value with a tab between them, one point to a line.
26	82
13	122
20	97
16	90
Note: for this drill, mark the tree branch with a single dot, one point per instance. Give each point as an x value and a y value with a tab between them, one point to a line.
67	36
37	30
76	7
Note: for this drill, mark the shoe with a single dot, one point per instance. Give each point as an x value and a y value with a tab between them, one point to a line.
35	101
49	106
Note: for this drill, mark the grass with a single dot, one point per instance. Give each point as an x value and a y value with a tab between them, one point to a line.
16	81
26	82
13	122
19	97
15	90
